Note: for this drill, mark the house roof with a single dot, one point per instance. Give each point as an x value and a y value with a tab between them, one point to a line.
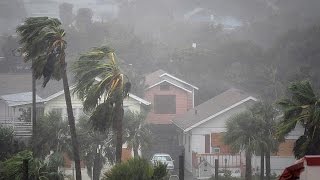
160	76
19	99
57	94
212	108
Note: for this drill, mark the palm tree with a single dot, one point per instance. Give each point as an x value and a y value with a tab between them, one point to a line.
137	132
301	107
105	97
242	135
96	148
266	114
43	43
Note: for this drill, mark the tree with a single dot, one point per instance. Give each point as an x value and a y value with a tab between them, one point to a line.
301	107
43	43
102	87
137	168
137	133
13	168
53	136
96	148
242	135
266	114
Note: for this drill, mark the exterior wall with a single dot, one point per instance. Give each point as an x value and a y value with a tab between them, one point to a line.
217	141
285	148
183	103
277	163
59	102
213	126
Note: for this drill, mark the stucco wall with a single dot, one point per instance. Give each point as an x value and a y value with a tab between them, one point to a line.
183	103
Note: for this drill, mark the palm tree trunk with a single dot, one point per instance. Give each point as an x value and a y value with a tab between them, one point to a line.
96	166
34	114
262	163
268	169
248	175
135	151
119	118
75	144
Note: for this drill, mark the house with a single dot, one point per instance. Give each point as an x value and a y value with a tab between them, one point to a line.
170	97
201	131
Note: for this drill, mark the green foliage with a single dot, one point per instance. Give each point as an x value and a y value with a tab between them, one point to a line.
301	107
38	170
42	43
100	84
242	132
136	169
136	132
8	145
133	169
90	141
160	171
6	141
52	135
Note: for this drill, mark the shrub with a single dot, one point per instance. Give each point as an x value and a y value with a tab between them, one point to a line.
136	169
13	168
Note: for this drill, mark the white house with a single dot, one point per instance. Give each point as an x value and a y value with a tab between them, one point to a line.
201	130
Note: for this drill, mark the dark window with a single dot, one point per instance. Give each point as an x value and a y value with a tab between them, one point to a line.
164	87
165	104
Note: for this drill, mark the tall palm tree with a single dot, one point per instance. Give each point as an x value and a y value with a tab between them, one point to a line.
302	107
242	135
137	133
43	43
102	87
265	114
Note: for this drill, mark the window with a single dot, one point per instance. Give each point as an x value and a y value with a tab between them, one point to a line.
164	87
215	150
57	110
165	104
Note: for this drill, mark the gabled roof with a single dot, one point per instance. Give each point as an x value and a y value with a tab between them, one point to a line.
212	108
20	99
140	100
160	76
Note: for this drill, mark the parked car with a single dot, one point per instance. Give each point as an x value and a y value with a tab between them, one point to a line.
163	158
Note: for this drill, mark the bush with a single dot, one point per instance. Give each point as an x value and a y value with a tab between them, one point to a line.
13	168
136	169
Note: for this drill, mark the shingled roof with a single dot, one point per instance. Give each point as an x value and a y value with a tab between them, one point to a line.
212	108
161	76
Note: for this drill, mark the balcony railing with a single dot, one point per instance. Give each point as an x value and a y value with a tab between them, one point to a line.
20	128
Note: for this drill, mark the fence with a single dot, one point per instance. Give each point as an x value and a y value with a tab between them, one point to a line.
204	164
20	128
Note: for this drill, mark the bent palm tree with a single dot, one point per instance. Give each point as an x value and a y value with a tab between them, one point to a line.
43	43
303	107
242	134
102	87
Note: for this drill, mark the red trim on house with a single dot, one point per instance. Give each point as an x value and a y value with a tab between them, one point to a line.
312	160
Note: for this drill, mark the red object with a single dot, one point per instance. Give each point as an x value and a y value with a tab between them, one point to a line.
293	172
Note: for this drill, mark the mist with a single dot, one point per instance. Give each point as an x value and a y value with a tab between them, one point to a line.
212	47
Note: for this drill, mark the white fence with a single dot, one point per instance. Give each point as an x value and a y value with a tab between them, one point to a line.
20	128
